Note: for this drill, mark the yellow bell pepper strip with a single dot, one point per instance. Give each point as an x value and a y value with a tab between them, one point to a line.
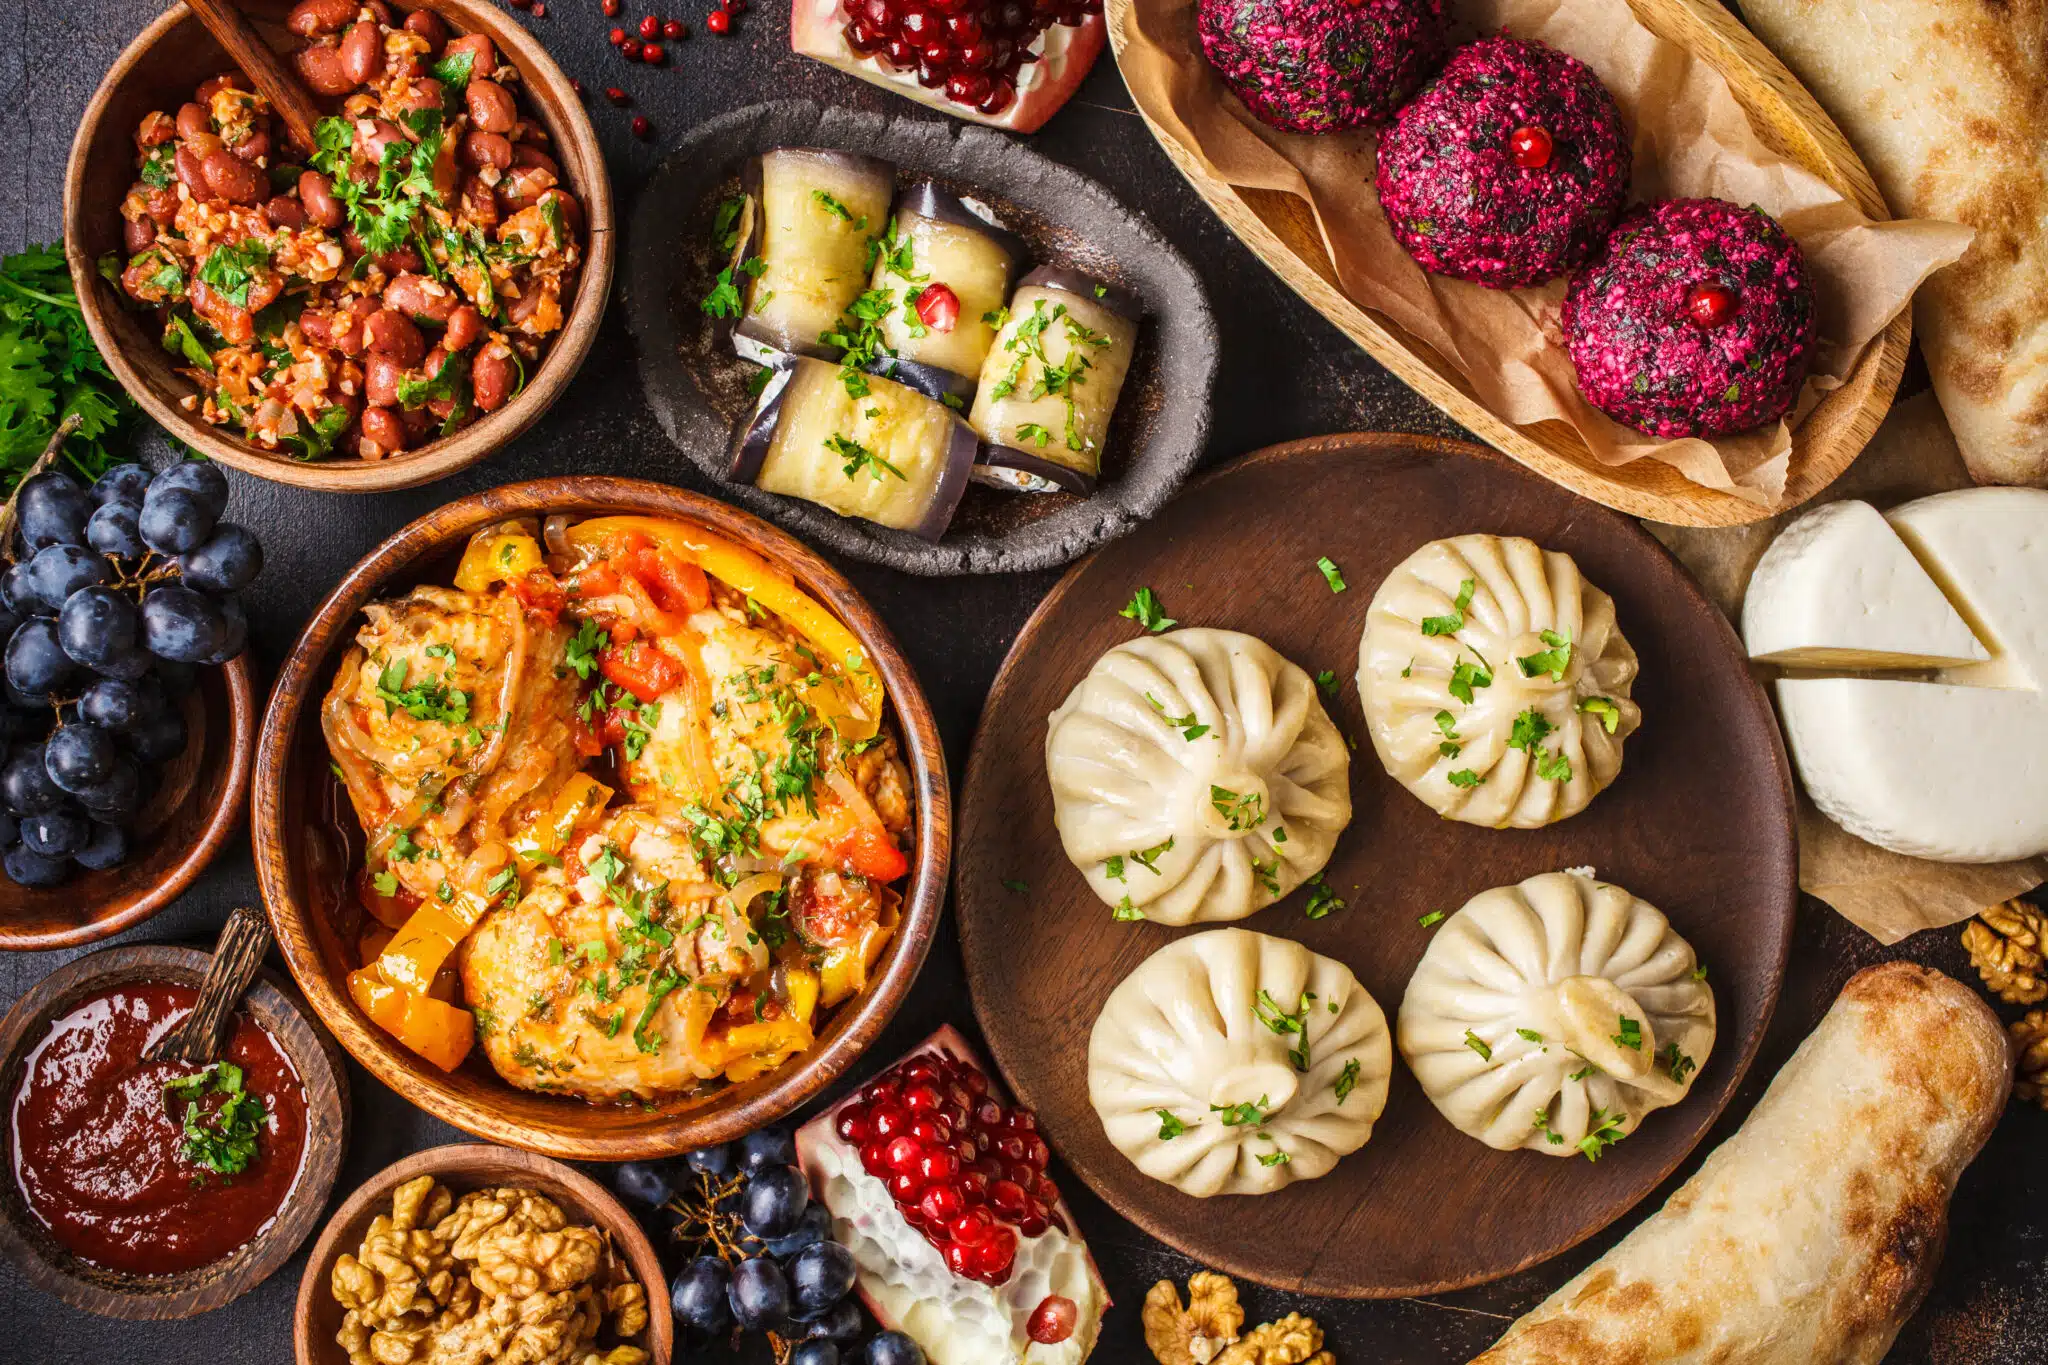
750	1050
843	972
749	574
579	804
417	951
501	554
436	1030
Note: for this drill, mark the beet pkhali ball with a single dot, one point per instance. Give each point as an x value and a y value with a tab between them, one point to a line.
1318	66
1695	318
1509	167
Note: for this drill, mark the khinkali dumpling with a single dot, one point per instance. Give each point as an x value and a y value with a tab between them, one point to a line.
1556	1011
1231	1062
1495	681
1196	776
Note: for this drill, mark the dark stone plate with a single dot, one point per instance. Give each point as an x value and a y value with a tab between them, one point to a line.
698	388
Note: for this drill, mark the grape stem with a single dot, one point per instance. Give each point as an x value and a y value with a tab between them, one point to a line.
43	461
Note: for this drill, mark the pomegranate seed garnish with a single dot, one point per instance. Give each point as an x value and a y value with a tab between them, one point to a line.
889	1122
989	1114
883	1089
956	1256
853	1124
1052	1322
577	86
921	1097
650	27
1531	147
540	10
617	35
936	1166
675	30
972	1227
651	54
942	1204
716	21
974	1185
1036	1153
992	1260
616	96
874	1157
931	1129
974	1083
1709	305
611	9
1009	1198
631	49
903	1153
642	129
904	1186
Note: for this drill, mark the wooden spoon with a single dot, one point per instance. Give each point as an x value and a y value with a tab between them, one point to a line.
274	80
243	942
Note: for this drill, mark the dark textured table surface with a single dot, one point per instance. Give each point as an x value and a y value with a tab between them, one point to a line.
1285	374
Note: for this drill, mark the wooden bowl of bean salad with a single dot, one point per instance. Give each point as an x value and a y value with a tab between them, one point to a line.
376	311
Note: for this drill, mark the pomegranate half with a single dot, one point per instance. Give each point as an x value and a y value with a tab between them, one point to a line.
1007	63
937	1185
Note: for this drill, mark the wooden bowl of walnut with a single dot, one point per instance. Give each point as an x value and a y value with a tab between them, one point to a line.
524	1246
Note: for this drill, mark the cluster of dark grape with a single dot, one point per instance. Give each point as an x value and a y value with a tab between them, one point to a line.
767	1261
118	594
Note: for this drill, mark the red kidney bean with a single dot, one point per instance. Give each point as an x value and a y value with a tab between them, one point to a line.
390	332
193	120
347	324
321	69
135	280
213	85
424	93
435	359
253	148
192	173
419	423
157	129
318	196
421	298
373	136
381	376
490	376
481	149
491	107
317	18
316	327
382	12
424	23
479	46
282	210
137	233
479	203
400	262
465	326
362	51
524	303
161	203
235	325
381	427
234	179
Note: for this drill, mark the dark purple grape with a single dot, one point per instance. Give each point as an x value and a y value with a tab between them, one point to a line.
51	510
57	571
28	704
10	830
174	522
816	1352
716	1162
108	848
773	1202
228	562
159	739
80	756
759	1294
699	1295
119	797
56	833
200	478
893	1348
180	624
237	637
815	1226
118	704
36	661
820	1276
764	1147
647	1183
841	1323
97	626
122	483
26	867
112	530
18	596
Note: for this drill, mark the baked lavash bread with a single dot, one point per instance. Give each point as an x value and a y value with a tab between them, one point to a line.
1942	99
1813	1233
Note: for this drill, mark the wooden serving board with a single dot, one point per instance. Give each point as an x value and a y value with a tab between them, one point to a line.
1700	823
1281	230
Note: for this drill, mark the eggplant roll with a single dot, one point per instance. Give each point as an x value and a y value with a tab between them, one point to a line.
859	444
1050	383
814	212
947	269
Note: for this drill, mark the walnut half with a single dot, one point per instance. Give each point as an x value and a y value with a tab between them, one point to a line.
2030	1041
1293	1340
2005	946
1197	1334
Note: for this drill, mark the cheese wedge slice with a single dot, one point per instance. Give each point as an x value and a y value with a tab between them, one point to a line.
1838	589
1988	550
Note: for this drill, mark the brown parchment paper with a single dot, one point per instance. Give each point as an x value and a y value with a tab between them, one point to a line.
1888	894
1691	139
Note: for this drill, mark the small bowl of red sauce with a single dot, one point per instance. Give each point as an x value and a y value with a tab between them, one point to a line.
140	1189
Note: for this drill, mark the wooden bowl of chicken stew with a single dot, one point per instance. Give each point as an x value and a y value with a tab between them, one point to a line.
373	312
600	819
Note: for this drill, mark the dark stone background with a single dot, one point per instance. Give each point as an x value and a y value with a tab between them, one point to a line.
1286	373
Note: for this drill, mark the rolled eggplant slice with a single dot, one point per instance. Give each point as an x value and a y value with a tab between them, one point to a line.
871	448
1049	386
813	213
947	266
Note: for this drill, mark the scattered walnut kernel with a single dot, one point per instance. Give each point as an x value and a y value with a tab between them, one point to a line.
1294	1340
2030	1041
500	1275
2004	943
1197	1334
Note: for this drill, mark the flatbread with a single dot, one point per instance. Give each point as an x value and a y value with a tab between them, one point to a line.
1810	1236
1947	102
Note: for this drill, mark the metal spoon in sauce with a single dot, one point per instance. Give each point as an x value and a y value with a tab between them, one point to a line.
200	1038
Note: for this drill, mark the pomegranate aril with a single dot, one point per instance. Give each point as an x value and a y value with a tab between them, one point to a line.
957	1258
630	49
942	1204
919	26
652	54
937	1166
890	1121
1052	1322
675	30
992	1259
1009	1198
717	21
899	54
963	28
1023	1121
971	1228
862	38
883	1089
642	129
1036	1153
974	1185
650	27
903	1153
874	1158
989	1114
931	1129
853	1125
974	1083
611	9
1032	1225
921	1098
998	99
904	1186
617	35
616	96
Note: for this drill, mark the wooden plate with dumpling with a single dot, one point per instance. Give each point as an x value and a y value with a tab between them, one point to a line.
1158	735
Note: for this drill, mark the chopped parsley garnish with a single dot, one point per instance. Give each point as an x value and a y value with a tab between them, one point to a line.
1464	779
1247	1115
1676	1063
1554	660
838	210
1190	729
724	299
1465	676
1554	766
1430	920
580	654
1274	1158
386	884
1267	875
429	699
1699	973
1631	1035
1148	858
1449	746
1113	867
1240	811
725	224
1126	911
1169	1126
1031	431
1144	608
1529	1035
1583	1072
1322	900
404	849
223	1139
1478	1045
658	988
1528	730
230	270
1542	1125
1347	1080
1455	621
858	457
1602	710
1327	684
1604	1133
1331	575
1286	1023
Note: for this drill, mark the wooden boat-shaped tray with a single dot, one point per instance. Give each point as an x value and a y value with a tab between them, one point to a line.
1281	231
